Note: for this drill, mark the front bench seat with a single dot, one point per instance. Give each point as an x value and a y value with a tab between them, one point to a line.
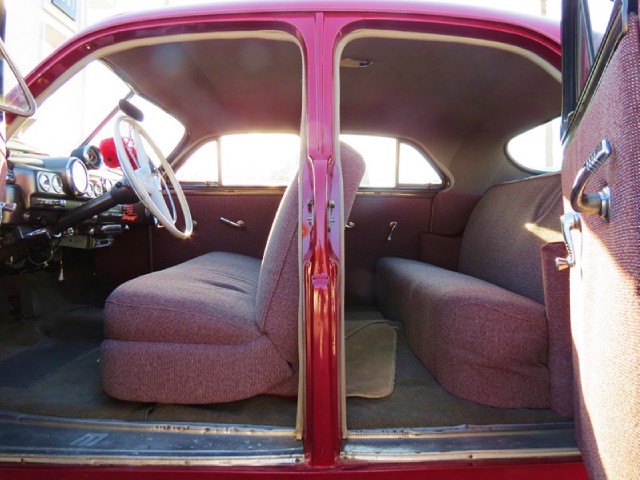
219	327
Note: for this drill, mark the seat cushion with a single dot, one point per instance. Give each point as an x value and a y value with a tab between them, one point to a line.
480	341
207	300
169	372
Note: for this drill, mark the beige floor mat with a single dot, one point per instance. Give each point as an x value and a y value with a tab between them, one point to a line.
370	358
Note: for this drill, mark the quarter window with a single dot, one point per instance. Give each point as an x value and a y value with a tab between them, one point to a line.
538	149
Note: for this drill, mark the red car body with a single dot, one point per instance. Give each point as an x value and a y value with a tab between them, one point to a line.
318	26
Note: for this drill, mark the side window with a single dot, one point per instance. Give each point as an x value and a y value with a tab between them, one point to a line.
538	149
590	30
414	169
593	20
202	165
259	159
271	159
244	160
393	163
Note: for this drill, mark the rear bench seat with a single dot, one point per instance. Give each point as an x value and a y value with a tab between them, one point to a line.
484	331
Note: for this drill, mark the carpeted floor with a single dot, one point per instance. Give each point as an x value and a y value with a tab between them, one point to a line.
71	385
370	358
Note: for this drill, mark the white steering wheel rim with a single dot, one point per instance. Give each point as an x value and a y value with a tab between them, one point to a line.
146	183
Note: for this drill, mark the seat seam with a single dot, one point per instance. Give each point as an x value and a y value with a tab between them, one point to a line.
164	309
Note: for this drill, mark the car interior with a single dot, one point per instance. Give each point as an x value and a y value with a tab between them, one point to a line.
454	312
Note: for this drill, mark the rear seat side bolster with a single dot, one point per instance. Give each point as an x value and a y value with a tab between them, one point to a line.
557	307
502	240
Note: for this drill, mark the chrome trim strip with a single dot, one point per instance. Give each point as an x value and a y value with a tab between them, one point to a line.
108	460
462	443
31	439
569	453
172	427
461	431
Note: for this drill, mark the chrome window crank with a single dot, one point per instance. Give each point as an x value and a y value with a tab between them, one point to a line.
238	224
569	222
392	228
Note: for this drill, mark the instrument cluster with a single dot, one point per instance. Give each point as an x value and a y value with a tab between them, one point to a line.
56	183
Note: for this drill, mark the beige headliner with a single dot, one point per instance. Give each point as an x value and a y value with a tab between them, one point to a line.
461	100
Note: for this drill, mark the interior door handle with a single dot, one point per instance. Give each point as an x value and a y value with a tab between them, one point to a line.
594	202
231	223
569	222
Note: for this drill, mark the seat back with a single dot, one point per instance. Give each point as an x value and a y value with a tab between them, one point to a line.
502	239
278	286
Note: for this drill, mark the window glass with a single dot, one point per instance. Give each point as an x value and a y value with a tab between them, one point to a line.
538	149
202	165
271	159
259	159
599	15
413	168
85	100
379	155
594	18
385	156
163	129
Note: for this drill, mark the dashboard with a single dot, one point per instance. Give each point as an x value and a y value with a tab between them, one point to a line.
75	201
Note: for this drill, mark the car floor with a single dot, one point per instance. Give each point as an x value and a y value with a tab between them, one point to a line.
50	365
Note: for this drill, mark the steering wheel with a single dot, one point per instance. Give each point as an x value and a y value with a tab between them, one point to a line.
147	181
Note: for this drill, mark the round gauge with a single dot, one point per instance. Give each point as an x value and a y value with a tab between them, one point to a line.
44	182
56	182
107	184
78	177
97	189
90	155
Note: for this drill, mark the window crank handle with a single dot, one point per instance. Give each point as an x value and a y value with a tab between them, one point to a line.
392	228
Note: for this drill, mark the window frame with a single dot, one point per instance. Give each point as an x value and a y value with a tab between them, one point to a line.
398	188
406	187
576	92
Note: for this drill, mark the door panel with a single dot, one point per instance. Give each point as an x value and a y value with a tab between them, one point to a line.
429	229
368	240
257	211
130	255
605	282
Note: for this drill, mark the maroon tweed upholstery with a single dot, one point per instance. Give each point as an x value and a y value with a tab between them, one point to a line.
605	284
556	301
217	328
278	287
483	331
502	240
181	301
480	341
